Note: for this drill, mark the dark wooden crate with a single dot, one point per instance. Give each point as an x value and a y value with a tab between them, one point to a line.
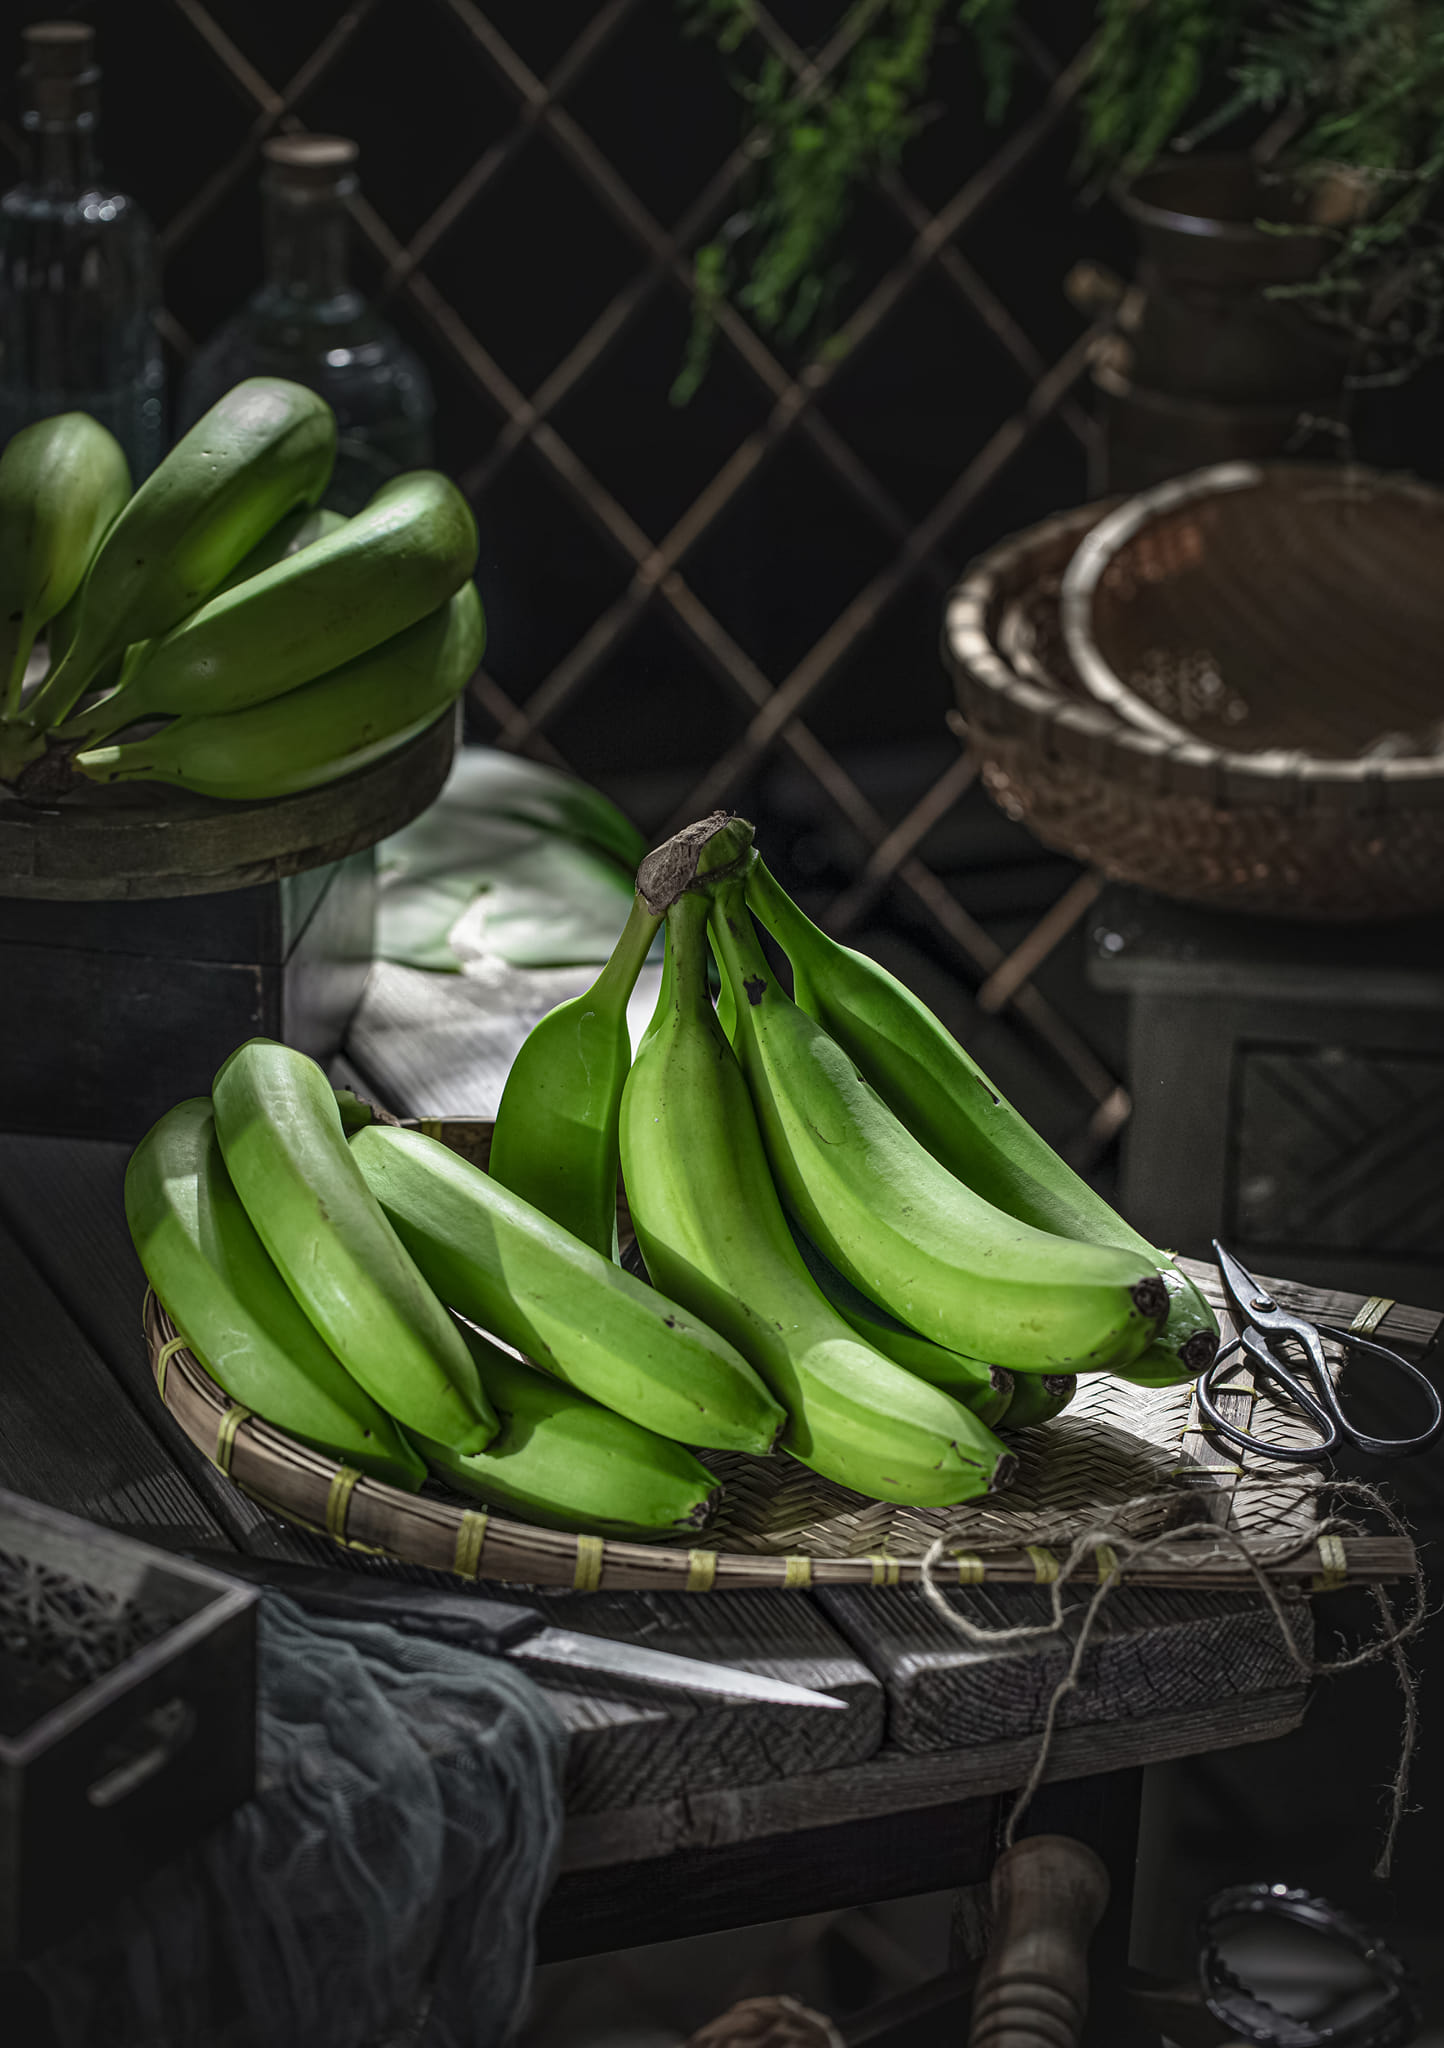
115	1010
102	1784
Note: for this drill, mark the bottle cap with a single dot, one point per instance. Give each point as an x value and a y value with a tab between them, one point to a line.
59	76
310	166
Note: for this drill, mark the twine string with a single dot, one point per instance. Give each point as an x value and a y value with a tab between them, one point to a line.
1390	1641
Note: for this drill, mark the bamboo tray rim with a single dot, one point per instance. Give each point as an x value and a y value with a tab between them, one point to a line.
472	1542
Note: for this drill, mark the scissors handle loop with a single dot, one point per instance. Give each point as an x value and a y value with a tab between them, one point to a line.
1382	1446
1267	1366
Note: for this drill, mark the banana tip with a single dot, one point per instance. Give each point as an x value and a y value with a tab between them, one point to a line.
1199	1352
1150	1298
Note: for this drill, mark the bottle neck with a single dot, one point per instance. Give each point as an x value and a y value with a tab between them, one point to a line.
63	153
306	246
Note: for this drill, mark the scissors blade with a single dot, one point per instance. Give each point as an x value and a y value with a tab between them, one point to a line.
1248	1296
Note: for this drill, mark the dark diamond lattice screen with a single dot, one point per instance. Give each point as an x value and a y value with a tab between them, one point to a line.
737	602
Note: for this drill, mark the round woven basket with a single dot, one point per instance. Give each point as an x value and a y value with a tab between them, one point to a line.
1316	836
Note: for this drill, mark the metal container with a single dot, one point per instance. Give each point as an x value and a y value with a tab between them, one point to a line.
1208	327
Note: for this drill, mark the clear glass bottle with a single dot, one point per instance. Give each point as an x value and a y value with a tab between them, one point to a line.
79	273
308	322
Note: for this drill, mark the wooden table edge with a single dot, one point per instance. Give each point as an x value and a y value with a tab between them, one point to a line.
894	1783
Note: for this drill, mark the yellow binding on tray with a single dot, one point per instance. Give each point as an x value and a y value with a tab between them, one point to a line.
470	1536
338	1500
230	1422
588	1574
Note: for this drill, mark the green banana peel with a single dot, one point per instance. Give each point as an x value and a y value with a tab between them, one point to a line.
555	1140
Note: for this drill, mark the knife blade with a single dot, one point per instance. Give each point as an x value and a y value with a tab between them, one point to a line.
497	1628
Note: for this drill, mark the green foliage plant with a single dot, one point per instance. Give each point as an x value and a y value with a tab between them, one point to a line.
1345	100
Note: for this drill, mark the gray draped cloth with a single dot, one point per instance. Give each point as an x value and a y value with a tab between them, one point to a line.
387	1875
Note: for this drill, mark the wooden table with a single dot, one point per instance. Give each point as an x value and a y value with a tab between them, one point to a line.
684	1817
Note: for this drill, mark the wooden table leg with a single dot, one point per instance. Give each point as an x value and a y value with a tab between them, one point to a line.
1102	1812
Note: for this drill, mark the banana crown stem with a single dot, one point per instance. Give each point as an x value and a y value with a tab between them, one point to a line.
715	845
742	958
619	977
684	977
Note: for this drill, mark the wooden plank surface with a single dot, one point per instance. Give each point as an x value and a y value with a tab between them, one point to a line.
1150	1653
629	1747
62	1201
69	1435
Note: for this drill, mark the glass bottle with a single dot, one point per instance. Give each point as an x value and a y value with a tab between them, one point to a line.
309	323
79	273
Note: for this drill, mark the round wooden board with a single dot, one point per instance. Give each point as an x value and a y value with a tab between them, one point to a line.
136	840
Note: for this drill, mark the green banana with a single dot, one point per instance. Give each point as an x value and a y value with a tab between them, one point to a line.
921	1244
726	1010
319	732
565	1462
1038	1397
222	1291
286	538
354	1113
504	1266
265	447
714	1237
951	1107
555	1141
986	1390
62	482
285	1149
411	549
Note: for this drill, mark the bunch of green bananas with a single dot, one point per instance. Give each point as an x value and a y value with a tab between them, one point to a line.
282	647
830	1181
855	1247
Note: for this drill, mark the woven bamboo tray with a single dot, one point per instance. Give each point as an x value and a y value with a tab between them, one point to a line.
1317	836
1132	1457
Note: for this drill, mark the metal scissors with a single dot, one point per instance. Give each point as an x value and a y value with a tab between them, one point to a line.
1263	1330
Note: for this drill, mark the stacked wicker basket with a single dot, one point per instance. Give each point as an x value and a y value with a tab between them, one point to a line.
1289	629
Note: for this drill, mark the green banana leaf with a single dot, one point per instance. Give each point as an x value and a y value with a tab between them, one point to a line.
515	862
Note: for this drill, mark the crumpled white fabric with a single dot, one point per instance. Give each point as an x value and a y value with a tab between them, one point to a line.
389	1870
